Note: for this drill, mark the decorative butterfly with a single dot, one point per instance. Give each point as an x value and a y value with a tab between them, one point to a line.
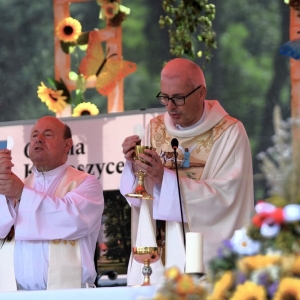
107	69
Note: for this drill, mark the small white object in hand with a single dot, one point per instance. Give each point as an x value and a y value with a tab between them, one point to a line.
10	142
138	129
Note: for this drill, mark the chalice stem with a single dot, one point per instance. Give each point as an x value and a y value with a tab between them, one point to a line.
140	188
147	271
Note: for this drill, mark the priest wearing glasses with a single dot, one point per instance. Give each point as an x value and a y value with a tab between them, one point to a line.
216	185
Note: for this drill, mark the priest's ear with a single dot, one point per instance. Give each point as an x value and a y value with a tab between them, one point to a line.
203	92
68	144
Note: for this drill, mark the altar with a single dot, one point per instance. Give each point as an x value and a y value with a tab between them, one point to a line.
127	292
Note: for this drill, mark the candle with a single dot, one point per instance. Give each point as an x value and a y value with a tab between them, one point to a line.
194	252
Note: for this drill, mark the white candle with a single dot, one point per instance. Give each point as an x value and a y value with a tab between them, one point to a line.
194	252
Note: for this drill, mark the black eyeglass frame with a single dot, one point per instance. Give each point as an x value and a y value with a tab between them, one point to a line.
159	97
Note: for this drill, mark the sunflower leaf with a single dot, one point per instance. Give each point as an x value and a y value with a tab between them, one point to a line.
82	47
67	47
83	38
73	75
60	85
51	82
79	97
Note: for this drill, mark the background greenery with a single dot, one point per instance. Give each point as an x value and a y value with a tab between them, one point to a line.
246	74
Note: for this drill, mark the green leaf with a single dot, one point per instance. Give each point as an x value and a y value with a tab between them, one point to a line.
79	97
51	82
82	47
83	38
73	75
67	47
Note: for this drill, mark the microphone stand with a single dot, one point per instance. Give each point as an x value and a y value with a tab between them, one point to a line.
182	223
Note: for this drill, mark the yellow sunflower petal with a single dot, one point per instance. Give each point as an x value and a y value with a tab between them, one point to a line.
185	285
223	285
68	30
259	261
85	108
53	99
289	288
172	273
249	290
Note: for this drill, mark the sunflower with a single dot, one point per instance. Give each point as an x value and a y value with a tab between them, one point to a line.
258	261
173	273
54	99
289	288
185	285
249	291
296	266
223	285
111	9
68	30
85	108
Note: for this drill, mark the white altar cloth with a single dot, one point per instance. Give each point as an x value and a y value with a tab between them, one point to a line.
115	293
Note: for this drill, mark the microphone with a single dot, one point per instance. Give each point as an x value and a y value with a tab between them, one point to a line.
174	144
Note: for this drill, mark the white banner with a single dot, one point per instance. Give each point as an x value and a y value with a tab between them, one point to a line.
97	143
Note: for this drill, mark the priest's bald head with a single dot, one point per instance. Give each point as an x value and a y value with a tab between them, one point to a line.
183	91
50	142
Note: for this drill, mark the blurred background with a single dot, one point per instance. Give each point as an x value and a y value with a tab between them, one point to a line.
246	72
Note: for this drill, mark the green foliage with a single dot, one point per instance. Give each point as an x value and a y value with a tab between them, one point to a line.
223	263
117	224
60	85
190	22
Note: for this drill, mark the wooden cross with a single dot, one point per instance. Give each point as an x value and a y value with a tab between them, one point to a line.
62	62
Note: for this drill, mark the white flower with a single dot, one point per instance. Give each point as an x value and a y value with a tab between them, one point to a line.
264	207
242	244
269	231
291	212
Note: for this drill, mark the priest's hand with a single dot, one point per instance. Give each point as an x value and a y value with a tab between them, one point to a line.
11	185
129	146
153	168
5	161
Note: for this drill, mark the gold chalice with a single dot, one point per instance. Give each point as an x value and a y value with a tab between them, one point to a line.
146	256
140	191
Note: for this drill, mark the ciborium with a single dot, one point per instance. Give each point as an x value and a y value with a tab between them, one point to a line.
146	256
140	190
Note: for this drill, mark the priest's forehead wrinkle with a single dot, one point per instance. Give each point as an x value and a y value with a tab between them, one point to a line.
184	69
49	123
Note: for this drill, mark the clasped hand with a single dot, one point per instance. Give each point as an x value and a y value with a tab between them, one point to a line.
10	185
153	166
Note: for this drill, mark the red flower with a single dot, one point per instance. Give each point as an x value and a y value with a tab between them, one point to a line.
275	216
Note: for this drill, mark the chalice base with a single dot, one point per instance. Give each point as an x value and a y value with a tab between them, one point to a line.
140	191
144	195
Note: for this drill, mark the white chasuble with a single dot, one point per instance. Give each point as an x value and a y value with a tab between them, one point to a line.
64	270
216	183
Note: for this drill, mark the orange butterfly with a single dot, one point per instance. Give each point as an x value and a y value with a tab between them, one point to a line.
108	70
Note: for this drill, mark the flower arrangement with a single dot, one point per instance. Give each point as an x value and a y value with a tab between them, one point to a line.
262	260
72	39
180	286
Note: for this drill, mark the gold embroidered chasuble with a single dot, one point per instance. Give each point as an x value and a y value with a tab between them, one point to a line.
190	166
192	155
192	152
64	270
218	199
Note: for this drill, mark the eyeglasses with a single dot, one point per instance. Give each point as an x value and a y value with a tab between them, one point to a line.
177	100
